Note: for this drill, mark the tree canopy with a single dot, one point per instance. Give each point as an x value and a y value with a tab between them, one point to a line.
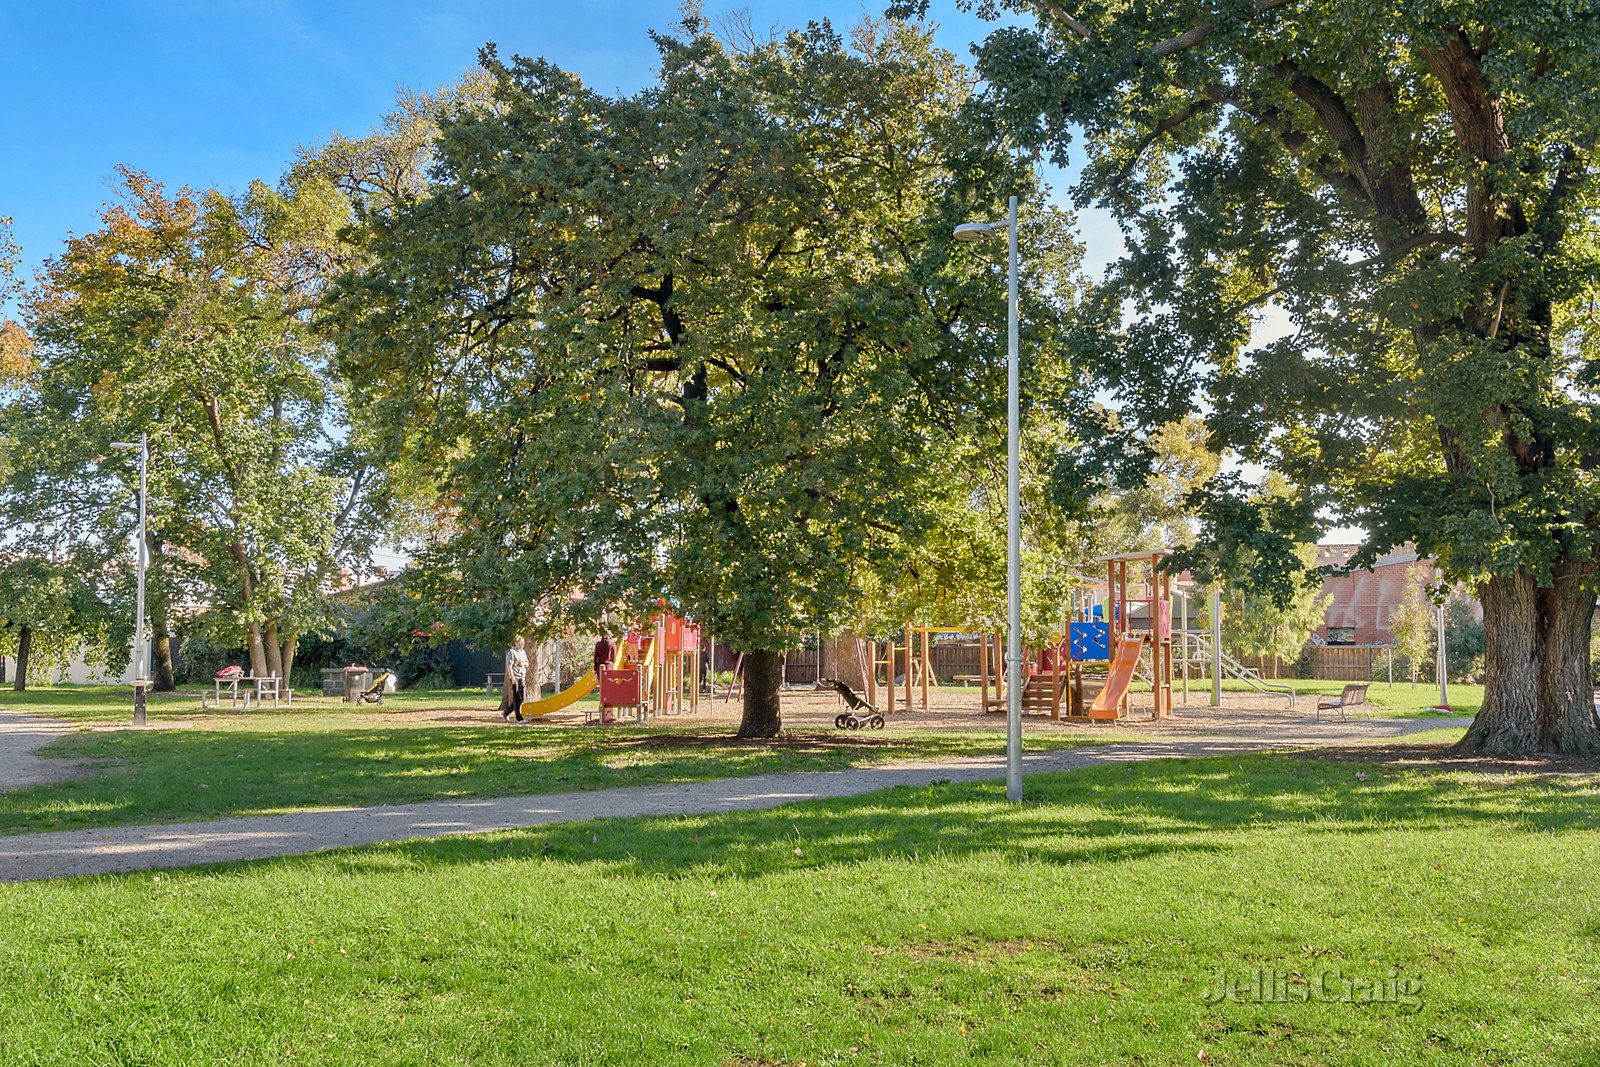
1414	186
708	342
185	316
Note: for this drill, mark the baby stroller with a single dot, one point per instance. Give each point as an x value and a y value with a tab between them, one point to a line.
860	714
373	694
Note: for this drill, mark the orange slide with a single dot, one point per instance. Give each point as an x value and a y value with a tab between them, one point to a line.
1108	703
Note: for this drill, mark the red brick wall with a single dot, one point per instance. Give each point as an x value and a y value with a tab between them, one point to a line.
1363	600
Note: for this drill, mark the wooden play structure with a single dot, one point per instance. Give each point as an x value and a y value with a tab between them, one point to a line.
1151	587
914	658
657	671
1054	681
1135	616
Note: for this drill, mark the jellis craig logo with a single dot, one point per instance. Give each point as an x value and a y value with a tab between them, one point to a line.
1265	985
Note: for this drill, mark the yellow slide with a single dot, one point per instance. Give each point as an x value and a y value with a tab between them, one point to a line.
1109	703
573	693
532	709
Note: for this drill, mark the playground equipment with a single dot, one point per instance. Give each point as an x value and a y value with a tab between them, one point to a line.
913	661
568	696
1111	703
654	672
1201	653
1134	621
660	674
1128	640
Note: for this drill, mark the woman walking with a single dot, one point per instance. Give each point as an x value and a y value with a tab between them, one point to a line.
515	689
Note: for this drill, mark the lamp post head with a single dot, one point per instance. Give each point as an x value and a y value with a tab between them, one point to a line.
126	446
972	232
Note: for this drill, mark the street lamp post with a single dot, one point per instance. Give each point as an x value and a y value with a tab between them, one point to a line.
977	231
140	644
1444	668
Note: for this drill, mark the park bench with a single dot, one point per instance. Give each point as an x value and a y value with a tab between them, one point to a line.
1353	696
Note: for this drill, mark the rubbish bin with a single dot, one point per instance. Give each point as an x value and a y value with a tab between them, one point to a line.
356	679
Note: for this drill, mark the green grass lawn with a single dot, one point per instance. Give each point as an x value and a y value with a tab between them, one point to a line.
914	926
1400	700
273	761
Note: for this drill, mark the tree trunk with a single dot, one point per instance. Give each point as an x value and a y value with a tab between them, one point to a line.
273	648
161	672
258	654
1538	696
24	649
286	657
161	654
763	675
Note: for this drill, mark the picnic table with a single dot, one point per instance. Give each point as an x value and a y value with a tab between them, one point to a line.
247	689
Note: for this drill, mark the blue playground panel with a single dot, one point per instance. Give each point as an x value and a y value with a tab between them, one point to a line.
1089	641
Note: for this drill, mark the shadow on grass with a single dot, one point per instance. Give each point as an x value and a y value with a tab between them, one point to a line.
1096	815
181	775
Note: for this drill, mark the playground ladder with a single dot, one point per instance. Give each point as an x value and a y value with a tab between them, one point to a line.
1200	655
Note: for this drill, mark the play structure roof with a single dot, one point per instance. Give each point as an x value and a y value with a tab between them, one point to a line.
1156	553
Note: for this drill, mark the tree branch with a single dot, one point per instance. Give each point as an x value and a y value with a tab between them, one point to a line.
1186	40
1294	140
1335	116
1164	127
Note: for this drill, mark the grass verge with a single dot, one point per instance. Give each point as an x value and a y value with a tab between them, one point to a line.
914	926
273	762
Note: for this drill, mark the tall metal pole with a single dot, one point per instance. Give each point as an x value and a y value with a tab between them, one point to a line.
1444	672
1013	532
140	642
1185	597
1216	649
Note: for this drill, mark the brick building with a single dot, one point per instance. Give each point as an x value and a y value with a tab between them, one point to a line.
1362	600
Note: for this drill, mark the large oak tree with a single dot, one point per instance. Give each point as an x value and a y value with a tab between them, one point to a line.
700	342
1414	184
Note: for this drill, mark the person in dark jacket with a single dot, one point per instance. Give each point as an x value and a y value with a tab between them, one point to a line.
605	654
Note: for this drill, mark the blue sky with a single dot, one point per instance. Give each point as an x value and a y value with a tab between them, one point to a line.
215	93
218	93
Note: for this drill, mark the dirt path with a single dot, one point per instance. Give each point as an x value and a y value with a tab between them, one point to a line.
21	738
27	857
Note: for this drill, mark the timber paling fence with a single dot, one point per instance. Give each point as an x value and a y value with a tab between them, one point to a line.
954	662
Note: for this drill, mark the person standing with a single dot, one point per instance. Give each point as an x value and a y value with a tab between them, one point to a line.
605	654
516	679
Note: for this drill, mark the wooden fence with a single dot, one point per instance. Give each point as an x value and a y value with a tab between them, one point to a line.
954	662
1349	663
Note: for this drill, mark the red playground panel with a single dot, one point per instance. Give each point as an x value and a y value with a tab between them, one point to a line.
620	688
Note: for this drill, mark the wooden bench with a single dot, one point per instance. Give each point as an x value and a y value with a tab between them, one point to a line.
1354	696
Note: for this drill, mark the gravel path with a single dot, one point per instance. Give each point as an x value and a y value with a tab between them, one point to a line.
27	857
21	738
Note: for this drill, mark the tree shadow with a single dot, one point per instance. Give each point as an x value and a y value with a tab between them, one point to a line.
1090	816
185	775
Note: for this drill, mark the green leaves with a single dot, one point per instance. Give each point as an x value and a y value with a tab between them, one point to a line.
697	343
185	317
1412	186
